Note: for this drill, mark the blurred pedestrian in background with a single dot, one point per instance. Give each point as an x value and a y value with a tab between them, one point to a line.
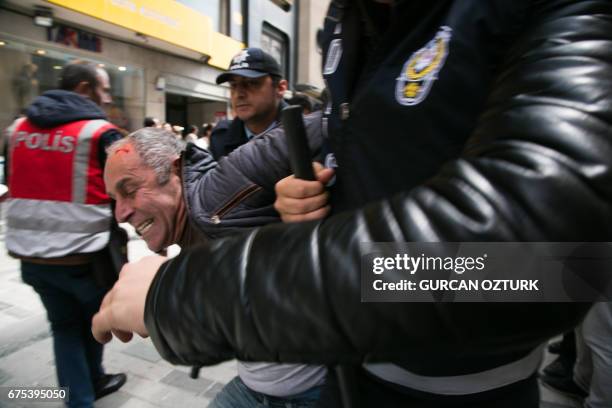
301	100
151	122
203	141
192	134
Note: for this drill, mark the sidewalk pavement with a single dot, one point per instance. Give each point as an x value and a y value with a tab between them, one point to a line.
26	355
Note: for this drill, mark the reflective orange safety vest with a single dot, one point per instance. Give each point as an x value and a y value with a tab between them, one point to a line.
57	202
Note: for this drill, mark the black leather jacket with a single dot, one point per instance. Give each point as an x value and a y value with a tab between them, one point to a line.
529	98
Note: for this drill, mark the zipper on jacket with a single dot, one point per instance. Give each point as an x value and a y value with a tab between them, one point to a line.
345	111
233	202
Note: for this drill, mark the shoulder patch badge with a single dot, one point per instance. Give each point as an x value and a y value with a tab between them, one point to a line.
421	69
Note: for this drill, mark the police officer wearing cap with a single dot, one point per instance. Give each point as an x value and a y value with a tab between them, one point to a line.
256	89
256	92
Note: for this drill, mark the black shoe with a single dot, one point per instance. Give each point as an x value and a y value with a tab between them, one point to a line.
555	347
560	368
109	383
565	386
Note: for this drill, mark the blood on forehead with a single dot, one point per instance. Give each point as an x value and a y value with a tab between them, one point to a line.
123	149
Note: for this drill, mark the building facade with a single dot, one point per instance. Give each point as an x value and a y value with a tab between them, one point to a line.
311	16
162	56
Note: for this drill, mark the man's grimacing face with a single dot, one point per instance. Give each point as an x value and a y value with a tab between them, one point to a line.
149	207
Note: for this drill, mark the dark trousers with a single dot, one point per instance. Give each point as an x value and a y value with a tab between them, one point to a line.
373	392
71	298
568	350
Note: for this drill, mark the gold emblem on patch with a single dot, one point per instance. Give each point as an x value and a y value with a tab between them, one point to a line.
421	69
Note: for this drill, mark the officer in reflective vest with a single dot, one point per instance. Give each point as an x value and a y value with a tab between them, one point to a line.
59	218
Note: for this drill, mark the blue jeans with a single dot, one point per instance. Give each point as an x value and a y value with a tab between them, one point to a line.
237	395
71	298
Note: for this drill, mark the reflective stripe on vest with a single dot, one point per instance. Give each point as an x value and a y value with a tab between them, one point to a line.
11	129
81	159
49	229
461	384
49	225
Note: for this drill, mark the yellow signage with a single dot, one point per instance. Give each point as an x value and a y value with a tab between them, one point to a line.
166	20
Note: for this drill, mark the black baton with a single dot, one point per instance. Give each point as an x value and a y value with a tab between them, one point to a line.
297	143
300	158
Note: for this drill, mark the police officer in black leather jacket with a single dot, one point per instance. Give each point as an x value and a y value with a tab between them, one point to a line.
452	121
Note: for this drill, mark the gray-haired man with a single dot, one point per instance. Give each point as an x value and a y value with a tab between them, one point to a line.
171	195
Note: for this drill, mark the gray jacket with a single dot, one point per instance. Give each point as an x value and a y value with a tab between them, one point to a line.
238	191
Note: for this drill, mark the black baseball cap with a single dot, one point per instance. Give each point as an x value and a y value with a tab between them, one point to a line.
251	63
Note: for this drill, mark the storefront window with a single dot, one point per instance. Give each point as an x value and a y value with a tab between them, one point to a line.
275	43
27	71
